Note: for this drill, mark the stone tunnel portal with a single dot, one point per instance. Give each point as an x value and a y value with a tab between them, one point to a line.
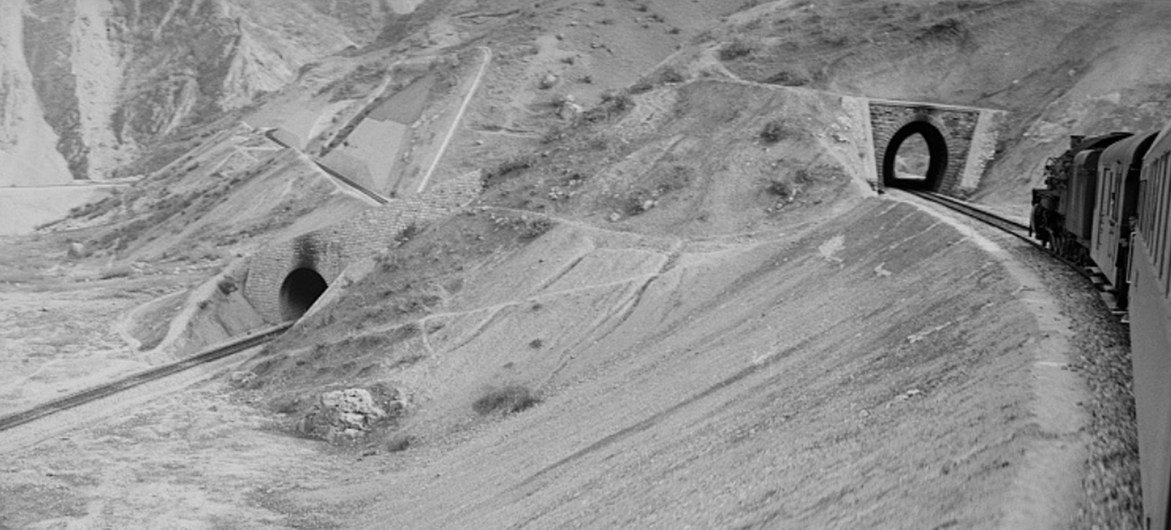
937	152
299	291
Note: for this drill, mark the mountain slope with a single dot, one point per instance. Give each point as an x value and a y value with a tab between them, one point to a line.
115	77
28	145
1058	67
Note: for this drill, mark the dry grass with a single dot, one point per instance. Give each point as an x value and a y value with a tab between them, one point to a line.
774	131
399	443
736	49
505	400
117	271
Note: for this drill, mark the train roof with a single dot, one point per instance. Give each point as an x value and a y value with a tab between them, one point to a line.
1098	142
1087	159
1129	151
1162	143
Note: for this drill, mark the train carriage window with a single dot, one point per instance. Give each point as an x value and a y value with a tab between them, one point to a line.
1156	203
1161	231
1142	204
1157	224
1119	175
1111	197
1156	182
1152	200
1146	217
1147	201
1161	251
1157	215
1103	192
1108	197
1160	180
1164	233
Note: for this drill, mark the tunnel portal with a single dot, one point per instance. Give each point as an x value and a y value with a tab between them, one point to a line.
301	288
937	151
959	140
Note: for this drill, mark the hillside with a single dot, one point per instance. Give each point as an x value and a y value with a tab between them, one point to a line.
1060	68
669	330
676	300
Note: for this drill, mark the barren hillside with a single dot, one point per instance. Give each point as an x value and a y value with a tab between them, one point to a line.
676	300
1060	68
113	79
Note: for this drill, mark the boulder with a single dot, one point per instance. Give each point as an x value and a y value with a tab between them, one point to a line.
346	415
77	250
568	108
547	82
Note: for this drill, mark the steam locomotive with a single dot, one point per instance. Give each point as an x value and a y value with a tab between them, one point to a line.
1106	204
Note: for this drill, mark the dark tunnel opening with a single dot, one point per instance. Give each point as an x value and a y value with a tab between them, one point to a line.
299	291
936	147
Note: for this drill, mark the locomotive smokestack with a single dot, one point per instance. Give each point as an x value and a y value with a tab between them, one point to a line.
1075	139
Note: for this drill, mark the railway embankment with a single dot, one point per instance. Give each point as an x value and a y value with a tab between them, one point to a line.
1097	347
880	367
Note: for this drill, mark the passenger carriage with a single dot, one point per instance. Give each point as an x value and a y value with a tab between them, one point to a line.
1115	205
1150	327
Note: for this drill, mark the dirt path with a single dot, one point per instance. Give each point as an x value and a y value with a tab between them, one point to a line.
129	320
455	123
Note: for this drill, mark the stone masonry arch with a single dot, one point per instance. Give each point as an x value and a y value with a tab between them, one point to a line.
937	147
960	141
285	277
301	288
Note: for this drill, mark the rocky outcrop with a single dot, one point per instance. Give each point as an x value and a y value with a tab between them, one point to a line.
347	415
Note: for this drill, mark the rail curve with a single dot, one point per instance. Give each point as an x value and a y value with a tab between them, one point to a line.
1009	226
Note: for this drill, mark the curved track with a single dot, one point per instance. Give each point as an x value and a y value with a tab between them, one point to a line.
1001	223
1009	226
101	391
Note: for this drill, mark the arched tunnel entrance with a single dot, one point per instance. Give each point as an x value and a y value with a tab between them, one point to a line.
299	291
936	152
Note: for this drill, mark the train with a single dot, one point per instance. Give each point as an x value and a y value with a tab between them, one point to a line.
1106	205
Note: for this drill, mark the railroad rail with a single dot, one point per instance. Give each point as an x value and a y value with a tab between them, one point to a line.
1020	231
108	389
1004	224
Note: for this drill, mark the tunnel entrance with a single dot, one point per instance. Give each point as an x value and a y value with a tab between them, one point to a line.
915	158
299	291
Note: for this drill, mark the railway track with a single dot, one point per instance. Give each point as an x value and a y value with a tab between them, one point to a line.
1009	226
1021	231
153	374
